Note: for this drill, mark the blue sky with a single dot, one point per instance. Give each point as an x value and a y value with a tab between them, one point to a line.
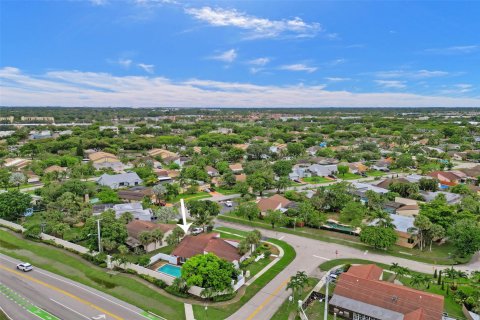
158	53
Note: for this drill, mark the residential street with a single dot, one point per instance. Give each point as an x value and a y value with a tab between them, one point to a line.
310	254
50	297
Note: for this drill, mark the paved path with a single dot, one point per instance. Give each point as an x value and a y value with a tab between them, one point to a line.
310	254
50	297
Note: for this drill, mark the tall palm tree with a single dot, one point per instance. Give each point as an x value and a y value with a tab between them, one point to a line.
145	238
157	236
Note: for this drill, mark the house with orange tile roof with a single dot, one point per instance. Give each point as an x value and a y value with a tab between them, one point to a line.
135	229
361	294
208	243
275	202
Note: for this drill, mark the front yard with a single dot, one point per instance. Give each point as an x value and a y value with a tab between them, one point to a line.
317	180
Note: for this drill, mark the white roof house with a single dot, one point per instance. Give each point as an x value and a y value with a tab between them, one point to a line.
116	181
323	170
135	208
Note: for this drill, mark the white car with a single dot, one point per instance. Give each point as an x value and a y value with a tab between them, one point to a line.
25	266
196	231
229	203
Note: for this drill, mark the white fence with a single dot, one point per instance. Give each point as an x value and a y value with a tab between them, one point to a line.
194	290
163	256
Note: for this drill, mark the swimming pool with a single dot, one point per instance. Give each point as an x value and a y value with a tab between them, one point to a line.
171	270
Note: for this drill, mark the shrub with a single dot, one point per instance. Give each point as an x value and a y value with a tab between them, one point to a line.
144	261
224	297
175	292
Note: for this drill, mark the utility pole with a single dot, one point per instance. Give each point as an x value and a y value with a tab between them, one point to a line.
99	236
325	314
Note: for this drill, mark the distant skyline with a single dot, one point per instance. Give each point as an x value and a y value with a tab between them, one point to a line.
167	53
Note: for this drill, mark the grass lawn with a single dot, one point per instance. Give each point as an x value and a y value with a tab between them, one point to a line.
223	311
186	197
225	192
375	173
317	180
349	176
287	307
77	269
316	311
451	307
440	254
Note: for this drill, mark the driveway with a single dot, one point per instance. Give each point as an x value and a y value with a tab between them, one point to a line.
310	254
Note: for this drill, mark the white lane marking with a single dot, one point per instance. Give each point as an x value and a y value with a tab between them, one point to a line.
281	237
321	257
68	308
77	286
6	314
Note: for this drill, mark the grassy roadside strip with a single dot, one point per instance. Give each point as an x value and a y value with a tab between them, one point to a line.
223	311
284	311
396	251
451	307
77	269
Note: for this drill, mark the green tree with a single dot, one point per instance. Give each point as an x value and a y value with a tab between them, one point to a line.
159	191
107	195
174	238
242	188
4	178
282	168
282	183
378	237
465	237
275	217
247	210
203	212
375	201
423	224
173	190
111	229
209	271
297	283
434	233
428	184
33	231
295	149
353	213
165	214
333	198
342	170
13	205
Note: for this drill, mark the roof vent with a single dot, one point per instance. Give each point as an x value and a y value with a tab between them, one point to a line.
394	299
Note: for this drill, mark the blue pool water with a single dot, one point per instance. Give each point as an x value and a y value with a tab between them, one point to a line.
171	270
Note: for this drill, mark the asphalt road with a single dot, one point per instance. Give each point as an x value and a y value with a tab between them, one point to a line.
310	254
51	297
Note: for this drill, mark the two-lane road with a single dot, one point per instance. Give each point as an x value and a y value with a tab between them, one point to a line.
52	297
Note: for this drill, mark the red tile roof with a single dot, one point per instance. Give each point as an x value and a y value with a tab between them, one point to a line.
135	227
366	271
272	203
206	242
356	284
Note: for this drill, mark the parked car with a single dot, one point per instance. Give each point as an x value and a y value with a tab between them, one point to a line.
196	231
25	266
229	203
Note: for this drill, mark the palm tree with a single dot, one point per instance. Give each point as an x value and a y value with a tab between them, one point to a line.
416	280
292	285
207	293
145	238
157	236
435	232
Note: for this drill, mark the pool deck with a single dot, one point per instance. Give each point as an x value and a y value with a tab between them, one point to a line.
157	265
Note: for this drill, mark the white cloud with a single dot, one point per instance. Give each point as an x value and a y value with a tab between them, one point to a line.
454	50
391	84
125	63
75	88
456	89
298	67
99	2
257	27
150	68
227	56
411	74
259	61
337	79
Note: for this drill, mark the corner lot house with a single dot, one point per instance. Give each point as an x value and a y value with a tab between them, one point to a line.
116	181
361	295
275	202
136	227
208	243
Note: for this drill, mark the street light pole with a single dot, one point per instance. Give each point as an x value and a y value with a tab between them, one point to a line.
325	313
99	236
